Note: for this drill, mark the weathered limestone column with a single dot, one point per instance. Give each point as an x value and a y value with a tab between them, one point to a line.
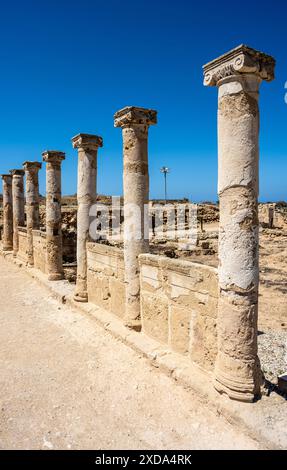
134	123
18	206
87	146
7	235
53	158
238	75
32	204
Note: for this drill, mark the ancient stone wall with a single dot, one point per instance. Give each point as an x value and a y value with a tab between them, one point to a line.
23	244
105	277
179	306
178	299
39	250
271	215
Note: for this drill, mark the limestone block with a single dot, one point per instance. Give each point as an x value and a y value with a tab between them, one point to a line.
193	277
39	250
150	277
98	289
203	341
154	316
179	328
117	297
105	276
23	244
190	293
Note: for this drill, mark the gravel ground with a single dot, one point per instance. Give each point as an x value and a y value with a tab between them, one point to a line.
272	347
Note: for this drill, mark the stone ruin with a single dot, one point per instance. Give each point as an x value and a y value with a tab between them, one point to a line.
205	313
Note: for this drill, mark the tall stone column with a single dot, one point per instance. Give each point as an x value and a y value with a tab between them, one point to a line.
18	206
7	235
32	204
53	158
134	123
238	75
87	146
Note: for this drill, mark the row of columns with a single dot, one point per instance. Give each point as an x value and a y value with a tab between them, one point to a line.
135	123
14	210
238	75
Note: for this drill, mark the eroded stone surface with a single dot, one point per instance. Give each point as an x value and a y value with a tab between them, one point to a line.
54	249
18	205
135	123
105	277
87	146
32	204
238	75
7	237
179	306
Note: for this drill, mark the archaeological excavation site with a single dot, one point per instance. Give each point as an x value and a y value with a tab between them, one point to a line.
195	290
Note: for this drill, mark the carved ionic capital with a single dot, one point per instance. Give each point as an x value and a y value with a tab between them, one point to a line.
87	142
132	115
17	172
6	177
53	156
32	166
241	60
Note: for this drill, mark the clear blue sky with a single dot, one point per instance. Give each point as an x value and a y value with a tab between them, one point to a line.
67	66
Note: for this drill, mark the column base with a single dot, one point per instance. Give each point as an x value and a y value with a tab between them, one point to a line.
239	389
243	395
55	277
7	248
81	297
30	260
133	324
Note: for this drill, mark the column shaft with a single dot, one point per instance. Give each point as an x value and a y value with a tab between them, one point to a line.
32	204
238	75
53	215
135	123
136	195
237	366
87	146
7	236
18	206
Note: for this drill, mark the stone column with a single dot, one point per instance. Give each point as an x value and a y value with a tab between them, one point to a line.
238	75
53	158
134	123
18	206
87	146
7	234
32	204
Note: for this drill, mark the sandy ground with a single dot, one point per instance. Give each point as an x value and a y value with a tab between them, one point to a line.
67	384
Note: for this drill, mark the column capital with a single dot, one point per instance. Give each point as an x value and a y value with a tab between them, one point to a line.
239	61
5	176
87	141
53	156
32	165
17	172
133	115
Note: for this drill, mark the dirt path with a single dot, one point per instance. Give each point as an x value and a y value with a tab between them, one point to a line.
67	384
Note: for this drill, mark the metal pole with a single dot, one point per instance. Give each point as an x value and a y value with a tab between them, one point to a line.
165	191
165	170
